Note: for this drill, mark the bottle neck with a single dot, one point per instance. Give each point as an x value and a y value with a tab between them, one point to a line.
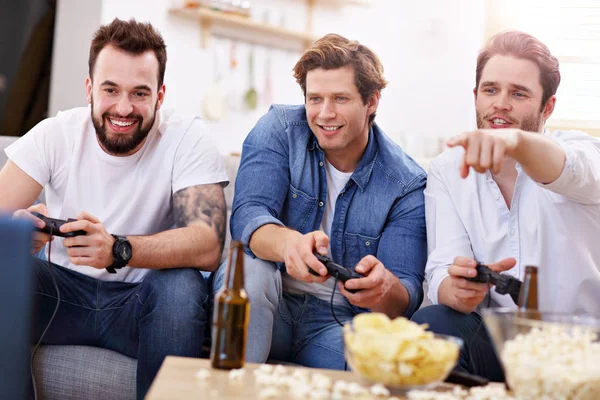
235	271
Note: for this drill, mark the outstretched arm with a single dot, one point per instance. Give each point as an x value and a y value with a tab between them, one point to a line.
540	157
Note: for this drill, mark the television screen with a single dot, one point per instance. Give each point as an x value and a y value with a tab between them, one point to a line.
26	36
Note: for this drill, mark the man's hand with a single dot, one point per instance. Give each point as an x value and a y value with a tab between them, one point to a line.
485	149
461	294
93	249
298	256
373	287
39	238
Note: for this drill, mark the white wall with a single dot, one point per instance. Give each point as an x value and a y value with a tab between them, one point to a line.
428	49
76	22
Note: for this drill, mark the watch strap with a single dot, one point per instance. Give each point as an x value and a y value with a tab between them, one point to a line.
118	263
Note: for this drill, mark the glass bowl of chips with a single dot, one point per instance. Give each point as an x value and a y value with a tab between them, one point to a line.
398	353
546	354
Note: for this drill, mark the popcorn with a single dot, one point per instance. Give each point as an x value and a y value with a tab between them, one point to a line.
301	383
269	393
266	380
493	391
320	381
266	368
379	390
236	374
320	395
354	389
555	362
340	386
203	374
279	370
301	374
300	391
460	392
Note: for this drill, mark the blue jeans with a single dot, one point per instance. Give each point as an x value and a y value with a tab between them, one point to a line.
306	333
477	356
165	314
284	327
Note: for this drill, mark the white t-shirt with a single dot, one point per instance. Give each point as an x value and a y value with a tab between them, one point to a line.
336	181
130	195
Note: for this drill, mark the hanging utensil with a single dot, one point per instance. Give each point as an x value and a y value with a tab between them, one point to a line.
251	97
235	84
268	90
213	104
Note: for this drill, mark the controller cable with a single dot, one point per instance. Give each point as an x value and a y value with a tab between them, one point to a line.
50	269
333	311
331	302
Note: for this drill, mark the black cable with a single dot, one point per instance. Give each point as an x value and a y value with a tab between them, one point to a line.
333	312
331	302
35	395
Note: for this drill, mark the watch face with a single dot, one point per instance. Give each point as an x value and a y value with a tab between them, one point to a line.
125	252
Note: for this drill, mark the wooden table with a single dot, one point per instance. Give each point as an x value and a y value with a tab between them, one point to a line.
177	379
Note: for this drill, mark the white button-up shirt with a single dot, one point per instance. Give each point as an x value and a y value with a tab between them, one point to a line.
554	226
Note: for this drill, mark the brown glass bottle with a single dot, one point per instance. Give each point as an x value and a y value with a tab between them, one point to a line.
528	295
231	315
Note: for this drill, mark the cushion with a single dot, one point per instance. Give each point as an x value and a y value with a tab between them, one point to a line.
5	141
82	372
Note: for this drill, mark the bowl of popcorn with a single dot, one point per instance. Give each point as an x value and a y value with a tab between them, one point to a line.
547	355
398	353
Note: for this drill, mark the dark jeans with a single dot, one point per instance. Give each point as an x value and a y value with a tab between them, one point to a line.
164	315
477	356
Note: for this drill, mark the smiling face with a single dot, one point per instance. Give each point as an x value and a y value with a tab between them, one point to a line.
337	115
510	95
124	96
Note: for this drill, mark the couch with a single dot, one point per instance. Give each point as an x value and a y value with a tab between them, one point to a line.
82	372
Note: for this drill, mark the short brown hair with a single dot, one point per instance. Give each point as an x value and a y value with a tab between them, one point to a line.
132	37
523	45
334	51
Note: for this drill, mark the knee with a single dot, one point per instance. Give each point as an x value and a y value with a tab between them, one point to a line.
441	319
262	277
177	292
262	280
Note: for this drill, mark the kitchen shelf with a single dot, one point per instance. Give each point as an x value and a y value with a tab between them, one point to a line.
337	3
238	27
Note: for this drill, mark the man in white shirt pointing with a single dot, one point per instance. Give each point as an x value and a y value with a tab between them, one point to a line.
533	198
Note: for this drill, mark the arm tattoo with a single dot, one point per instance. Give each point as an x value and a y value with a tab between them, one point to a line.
204	203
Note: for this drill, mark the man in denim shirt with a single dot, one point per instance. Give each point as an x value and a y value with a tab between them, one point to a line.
323	177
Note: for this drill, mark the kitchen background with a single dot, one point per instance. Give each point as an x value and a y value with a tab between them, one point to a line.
229	69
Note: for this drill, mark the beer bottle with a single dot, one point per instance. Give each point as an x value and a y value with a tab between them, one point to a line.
528	295
231	315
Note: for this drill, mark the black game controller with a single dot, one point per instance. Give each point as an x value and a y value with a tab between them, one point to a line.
504	283
53	225
337	271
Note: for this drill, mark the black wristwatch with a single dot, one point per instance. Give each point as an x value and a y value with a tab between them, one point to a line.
121	252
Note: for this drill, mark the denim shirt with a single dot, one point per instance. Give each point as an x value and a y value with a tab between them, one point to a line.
282	180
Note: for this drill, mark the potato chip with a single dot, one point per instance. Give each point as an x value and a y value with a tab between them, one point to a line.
397	352
366	321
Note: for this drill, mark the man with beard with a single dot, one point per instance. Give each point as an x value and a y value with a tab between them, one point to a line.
534	199
147	188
